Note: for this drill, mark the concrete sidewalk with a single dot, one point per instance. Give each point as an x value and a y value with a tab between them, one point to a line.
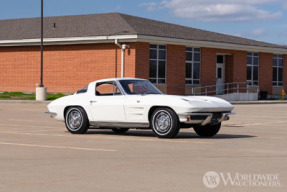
259	102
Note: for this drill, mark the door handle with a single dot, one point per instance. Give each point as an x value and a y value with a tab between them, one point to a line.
91	102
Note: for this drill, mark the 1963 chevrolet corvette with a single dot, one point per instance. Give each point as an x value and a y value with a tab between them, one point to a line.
124	103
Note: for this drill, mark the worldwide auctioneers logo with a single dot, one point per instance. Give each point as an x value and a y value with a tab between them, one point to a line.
212	179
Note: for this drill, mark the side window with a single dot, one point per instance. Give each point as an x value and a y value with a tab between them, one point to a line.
107	89
83	90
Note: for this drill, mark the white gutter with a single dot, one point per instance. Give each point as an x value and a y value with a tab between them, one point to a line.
123	47
141	38
66	40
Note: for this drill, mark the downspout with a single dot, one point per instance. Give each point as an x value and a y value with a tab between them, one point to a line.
123	47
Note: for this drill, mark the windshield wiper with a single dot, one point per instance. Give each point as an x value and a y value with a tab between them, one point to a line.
146	93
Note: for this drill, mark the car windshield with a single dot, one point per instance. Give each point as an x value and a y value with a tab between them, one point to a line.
139	87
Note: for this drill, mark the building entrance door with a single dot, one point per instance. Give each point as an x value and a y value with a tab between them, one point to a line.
220	74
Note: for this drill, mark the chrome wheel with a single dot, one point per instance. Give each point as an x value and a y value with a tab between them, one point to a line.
75	120
162	122
165	123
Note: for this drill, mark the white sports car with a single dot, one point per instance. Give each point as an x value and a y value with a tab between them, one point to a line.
124	103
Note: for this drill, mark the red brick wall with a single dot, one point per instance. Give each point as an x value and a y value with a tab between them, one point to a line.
175	72
239	66
235	66
142	60
69	67
265	72
208	66
285	73
229	60
19	68
66	68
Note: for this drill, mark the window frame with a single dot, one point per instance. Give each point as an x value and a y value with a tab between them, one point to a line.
277	57
252	82
192	62
113	83
157	78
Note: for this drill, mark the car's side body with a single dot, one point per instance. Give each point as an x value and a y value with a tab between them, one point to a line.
124	110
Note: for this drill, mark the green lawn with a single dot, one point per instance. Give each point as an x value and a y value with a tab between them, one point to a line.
27	96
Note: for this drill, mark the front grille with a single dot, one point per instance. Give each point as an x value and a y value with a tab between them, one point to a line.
197	117
216	117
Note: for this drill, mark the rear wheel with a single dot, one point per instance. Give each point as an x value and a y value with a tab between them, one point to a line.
165	123
120	130
207	130
76	120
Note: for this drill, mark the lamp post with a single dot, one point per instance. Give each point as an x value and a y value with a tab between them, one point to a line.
42	34
41	90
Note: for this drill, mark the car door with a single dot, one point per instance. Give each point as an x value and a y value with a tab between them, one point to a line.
136	109
135	105
107	105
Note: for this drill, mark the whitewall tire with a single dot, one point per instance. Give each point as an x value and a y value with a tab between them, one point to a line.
76	120
164	123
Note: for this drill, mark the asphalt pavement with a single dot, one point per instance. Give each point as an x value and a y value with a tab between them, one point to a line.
37	153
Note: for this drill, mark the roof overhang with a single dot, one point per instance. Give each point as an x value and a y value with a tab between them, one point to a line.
210	44
140	38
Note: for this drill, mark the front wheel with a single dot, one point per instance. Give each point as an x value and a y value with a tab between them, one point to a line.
76	120
165	123
207	130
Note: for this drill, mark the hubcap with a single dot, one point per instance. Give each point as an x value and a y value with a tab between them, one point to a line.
75	120
162	122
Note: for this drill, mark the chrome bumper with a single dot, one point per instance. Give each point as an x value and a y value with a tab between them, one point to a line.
206	118
52	115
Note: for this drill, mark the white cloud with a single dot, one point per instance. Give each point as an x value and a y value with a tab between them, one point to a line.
151	6
222	10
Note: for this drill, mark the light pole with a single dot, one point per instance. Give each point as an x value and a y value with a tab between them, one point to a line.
41	90
42	34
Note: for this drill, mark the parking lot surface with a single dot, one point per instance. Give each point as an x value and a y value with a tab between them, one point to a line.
37	153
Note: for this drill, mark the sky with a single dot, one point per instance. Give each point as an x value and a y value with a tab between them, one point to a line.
263	20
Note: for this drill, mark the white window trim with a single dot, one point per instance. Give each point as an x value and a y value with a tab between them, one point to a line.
192	62
252	68
157	63
277	57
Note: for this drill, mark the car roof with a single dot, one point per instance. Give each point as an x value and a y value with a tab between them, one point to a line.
117	79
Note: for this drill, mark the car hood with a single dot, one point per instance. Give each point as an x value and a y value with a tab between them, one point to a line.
209	102
196	103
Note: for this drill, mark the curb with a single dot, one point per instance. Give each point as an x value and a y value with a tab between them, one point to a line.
24	101
257	102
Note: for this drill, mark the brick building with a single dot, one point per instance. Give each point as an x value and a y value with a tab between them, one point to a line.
80	49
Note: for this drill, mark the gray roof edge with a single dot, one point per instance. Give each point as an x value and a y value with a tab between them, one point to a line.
121	15
110	13
275	45
217	33
213	44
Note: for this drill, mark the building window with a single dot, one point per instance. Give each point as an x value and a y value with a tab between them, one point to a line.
252	68
157	64
192	63
277	70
